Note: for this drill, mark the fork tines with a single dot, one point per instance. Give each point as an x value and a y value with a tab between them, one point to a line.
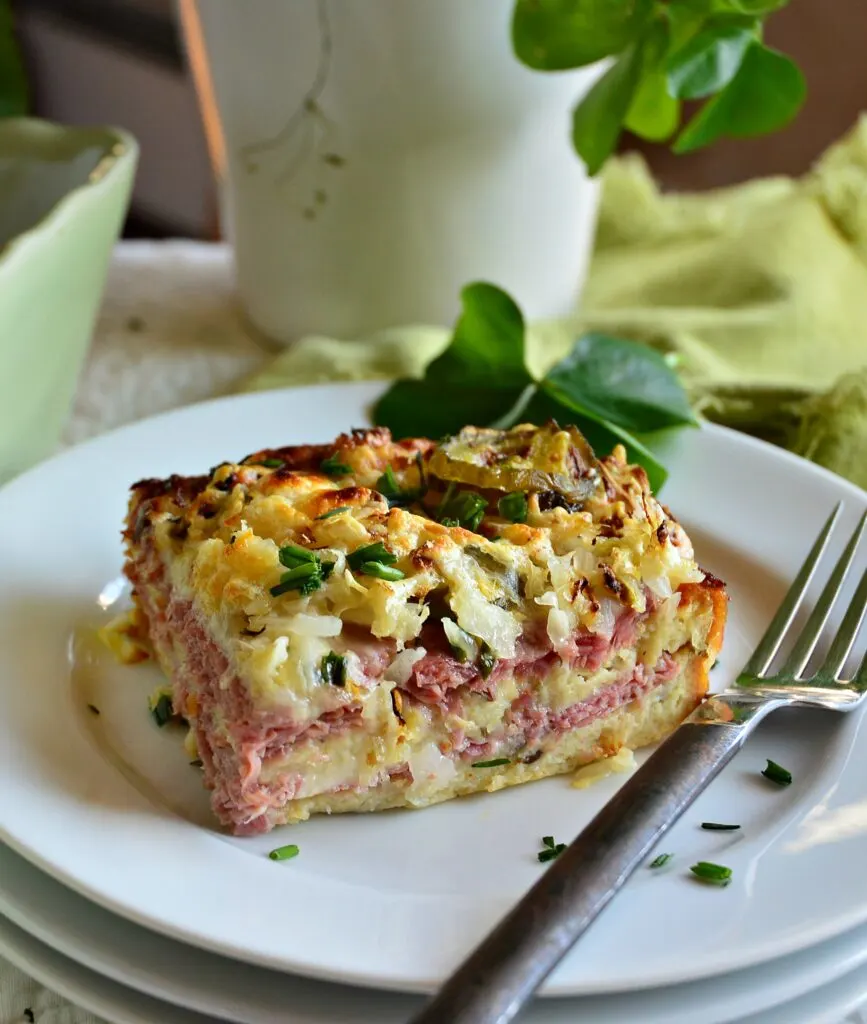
805	644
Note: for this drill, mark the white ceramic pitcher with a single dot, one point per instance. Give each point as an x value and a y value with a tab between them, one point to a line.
377	155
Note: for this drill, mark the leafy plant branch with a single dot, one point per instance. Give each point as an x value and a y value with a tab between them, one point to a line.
663	52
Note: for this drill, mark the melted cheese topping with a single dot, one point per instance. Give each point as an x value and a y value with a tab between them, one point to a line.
559	571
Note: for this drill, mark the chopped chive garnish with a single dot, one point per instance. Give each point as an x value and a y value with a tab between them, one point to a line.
333	669
387	484
306	572
495	762
302	571
303	587
473	519
291	555
513	507
162	710
382	572
377	552
284	852
333	512
716	874
551	849
197	763
304	578
715	826
93	709
375	560
270	463
332	466
465	509
661	860
470	509
389	487
776	773
487	661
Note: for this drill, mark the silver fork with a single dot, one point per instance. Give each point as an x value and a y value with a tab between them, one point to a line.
506	969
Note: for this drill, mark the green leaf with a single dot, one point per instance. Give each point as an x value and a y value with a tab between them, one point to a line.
598	118
764	96
653	113
756	7
685	19
488	340
694	8
601	435
623	382
14	92
553	35
710	60
478	378
413	408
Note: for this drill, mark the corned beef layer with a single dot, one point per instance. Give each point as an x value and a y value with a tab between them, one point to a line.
235	738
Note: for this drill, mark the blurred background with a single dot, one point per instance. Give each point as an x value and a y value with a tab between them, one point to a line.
121	62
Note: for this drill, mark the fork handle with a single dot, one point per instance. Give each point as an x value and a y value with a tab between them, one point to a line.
504	971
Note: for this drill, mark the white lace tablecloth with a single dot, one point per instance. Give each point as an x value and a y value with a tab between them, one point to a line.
170	332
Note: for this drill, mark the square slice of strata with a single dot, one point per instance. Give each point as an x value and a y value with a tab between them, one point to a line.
372	624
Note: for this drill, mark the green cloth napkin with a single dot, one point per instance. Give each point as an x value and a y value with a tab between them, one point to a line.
759	289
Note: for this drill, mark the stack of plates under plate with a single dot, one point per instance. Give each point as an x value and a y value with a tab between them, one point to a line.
117	889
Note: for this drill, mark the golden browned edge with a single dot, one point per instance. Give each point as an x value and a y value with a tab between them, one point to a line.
713	590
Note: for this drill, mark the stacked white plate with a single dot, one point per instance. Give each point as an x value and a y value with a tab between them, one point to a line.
117	888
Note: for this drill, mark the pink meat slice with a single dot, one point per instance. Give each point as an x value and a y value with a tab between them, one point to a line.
440	671
236	738
528	723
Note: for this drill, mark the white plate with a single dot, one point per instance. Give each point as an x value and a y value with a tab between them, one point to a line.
109	805
204	983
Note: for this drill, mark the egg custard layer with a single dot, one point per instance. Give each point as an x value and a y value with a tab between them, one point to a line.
371	623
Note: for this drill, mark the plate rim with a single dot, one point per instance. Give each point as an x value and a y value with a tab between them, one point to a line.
316	970
854	958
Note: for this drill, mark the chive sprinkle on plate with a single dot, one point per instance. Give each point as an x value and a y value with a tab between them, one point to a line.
713	874
715	826
162	710
495	762
661	860
776	773
550	849
285	852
